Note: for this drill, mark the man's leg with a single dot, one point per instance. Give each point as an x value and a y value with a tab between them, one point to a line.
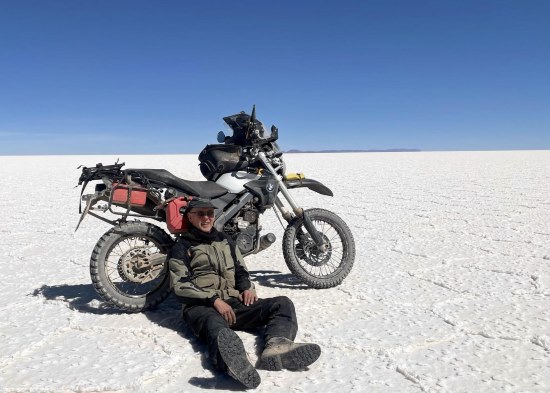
233	355
224	345
279	317
206	323
276	314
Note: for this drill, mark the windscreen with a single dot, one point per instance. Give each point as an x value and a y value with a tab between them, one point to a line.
239	125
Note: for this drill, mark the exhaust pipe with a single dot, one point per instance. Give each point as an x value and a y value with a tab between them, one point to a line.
266	241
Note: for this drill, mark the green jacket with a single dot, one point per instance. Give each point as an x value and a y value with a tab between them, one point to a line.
207	266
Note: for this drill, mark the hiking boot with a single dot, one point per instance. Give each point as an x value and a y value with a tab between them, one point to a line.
282	353
234	356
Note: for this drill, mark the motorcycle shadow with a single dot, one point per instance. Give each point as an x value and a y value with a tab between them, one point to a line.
276	279
84	298
77	297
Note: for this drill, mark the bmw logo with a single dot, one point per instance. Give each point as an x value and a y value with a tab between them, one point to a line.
270	187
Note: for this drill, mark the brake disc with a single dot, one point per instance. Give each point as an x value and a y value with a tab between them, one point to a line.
135	266
310	252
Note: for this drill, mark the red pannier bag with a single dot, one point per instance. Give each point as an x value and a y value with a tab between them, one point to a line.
174	218
137	197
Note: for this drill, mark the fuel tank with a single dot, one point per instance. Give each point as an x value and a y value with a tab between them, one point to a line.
235	181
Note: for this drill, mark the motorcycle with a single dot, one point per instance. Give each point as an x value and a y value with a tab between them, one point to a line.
246	175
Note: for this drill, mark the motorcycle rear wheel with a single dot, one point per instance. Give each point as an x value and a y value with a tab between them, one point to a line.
319	269
121	268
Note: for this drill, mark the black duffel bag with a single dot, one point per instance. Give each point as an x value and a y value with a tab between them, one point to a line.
219	159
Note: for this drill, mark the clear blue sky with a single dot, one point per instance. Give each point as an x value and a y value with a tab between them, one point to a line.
150	77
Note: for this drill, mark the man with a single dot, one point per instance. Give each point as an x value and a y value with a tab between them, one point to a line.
209	277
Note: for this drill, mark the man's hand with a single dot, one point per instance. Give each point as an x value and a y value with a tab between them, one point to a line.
248	297
226	311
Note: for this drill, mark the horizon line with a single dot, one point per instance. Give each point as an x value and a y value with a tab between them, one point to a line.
292	151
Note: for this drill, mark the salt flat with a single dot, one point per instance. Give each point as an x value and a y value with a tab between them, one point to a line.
450	291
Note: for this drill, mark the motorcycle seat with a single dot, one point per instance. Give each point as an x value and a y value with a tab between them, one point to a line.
205	189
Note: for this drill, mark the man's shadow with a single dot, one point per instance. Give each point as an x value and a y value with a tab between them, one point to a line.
83	298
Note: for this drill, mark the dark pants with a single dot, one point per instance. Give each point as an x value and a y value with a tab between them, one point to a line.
276	314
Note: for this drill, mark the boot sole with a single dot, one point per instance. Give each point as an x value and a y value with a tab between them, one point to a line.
296	359
234	356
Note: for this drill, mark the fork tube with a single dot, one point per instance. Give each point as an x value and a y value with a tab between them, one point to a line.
287	215
297	210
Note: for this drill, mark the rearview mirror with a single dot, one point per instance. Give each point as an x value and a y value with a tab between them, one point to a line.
221	137
274	133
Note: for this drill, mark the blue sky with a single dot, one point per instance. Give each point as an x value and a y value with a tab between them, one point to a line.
152	77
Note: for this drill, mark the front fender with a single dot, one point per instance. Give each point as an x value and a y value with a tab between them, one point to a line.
313	185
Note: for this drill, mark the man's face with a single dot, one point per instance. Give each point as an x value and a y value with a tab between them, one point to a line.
202	218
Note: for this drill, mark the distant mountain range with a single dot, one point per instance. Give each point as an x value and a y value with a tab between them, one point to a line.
352	151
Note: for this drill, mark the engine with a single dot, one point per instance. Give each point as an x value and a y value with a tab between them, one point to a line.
244	228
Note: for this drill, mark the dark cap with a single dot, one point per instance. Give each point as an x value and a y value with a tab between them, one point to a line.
197	203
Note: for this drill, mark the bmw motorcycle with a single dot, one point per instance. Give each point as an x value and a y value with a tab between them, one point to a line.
246	175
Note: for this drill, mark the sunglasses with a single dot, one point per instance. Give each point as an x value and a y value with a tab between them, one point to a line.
202	213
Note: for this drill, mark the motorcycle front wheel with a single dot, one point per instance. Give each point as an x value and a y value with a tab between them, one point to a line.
128	266
319	268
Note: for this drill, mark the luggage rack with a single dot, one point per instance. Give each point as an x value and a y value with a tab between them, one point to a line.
120	200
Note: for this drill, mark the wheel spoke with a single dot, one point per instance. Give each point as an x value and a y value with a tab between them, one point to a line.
318	268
